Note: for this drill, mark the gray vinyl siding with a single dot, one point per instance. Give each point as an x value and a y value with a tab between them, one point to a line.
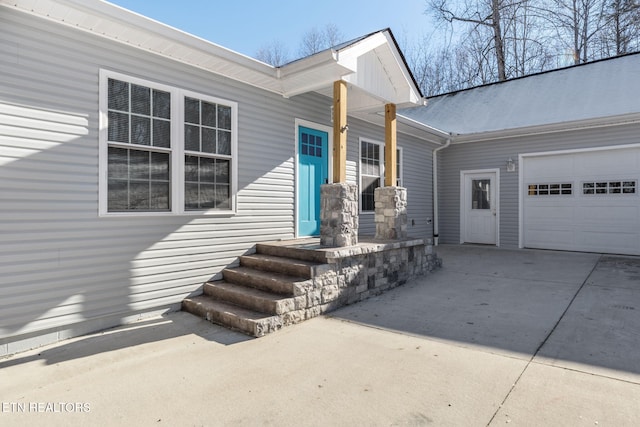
61	263
63	266
494	154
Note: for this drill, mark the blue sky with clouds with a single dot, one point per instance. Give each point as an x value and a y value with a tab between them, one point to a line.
247	25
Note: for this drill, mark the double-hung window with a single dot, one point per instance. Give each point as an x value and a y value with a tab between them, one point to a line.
372	172
165	150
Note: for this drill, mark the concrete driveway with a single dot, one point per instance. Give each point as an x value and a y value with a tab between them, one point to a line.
495	337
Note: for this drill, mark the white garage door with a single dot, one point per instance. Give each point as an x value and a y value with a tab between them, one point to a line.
583	201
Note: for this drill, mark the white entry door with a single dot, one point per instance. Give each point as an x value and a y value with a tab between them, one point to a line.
479	207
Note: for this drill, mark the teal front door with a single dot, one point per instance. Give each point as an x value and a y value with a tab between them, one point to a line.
312	173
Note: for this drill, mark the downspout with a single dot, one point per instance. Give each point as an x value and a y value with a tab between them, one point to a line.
436	226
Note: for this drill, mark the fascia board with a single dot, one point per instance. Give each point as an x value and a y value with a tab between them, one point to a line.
550	128
317	60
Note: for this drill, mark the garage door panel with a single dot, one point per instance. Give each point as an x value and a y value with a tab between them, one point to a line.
607	241
606	163
551	167
625	216
550	239
547	213
597	216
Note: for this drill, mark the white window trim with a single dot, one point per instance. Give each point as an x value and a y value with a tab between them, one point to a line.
382	168
381	146
177	149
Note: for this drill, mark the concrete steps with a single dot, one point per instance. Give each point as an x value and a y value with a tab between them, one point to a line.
300	253
232	316
253	299
259	296
267	281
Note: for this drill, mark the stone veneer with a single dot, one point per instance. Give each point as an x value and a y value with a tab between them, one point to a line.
356	273
391	212
338	215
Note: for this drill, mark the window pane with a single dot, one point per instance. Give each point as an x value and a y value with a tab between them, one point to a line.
224	142
118	94
139	195
118	196
222	171
141	130
160	166
191	165
224	117
207	196
138	164
207	170
191	196
480	194
192	111
161	104
118	163
208	114
208	140
374	169
162	133
159	196
140	100
222	197
118	127
369	184
191	138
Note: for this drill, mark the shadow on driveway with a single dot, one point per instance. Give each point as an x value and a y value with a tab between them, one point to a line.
565	307
130	337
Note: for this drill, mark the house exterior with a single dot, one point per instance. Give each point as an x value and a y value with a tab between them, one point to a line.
138	161
548	161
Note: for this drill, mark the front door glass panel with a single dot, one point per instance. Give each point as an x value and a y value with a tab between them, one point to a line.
480	194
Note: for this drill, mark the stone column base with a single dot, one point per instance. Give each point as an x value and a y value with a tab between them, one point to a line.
339	214
391	213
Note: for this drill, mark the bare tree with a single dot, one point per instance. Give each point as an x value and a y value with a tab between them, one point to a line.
274	53
525	40
621	32
482	13
316	40
577	24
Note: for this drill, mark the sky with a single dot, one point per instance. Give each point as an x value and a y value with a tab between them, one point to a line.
245	26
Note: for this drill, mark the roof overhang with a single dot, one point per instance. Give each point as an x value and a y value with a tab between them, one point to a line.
372	66
376	74
600	122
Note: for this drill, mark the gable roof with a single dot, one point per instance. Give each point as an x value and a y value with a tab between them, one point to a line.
374	67
372	64
588	94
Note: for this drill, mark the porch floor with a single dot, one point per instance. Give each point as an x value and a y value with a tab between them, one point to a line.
365	245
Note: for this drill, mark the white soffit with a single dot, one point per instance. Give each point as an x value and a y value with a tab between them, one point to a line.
380	72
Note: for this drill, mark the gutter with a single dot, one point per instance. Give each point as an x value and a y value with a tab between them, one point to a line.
436	225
